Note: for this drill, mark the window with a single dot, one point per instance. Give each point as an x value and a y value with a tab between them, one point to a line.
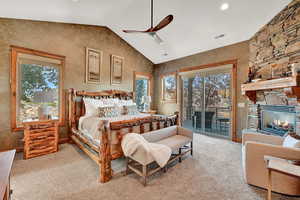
169	87
36	80
142	85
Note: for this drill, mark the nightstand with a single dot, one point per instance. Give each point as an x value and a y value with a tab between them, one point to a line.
40	138
152	112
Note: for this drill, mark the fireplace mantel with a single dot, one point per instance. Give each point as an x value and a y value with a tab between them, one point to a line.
291	86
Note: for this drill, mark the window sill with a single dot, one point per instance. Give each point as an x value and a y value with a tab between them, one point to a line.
169	101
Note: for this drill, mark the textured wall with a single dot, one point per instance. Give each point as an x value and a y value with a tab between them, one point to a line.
63	39
238	51
277	45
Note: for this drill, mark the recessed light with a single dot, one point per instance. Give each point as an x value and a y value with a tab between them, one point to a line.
75	1
224	6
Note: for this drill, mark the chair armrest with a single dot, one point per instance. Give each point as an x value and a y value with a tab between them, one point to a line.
262	138
185	132
255	149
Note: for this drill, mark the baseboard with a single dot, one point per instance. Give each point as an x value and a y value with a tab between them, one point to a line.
238	140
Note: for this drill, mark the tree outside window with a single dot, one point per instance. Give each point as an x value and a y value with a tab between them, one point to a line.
169	84
141	91
39	93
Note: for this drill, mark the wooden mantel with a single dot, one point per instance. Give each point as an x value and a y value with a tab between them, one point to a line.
289	84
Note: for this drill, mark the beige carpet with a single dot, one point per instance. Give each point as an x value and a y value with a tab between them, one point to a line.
213	173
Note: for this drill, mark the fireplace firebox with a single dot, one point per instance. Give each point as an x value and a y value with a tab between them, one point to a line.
277	120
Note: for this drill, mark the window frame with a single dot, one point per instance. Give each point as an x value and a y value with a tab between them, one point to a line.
150	86
162	80
15	51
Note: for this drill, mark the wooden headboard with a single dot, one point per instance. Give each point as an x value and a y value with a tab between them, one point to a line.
76	104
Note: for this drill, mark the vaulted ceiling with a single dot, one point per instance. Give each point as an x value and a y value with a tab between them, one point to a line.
195	25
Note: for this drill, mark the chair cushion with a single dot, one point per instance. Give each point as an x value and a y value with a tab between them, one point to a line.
155	136
175	142
291	142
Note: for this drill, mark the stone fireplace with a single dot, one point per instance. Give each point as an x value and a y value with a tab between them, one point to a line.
274	113
274	65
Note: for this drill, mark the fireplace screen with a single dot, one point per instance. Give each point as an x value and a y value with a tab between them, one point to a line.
278	119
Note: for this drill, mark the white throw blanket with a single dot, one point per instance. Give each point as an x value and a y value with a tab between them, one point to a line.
132	142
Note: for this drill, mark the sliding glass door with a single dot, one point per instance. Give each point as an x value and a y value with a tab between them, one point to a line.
207	102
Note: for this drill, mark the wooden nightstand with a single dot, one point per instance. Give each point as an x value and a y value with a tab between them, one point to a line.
40	138
152	112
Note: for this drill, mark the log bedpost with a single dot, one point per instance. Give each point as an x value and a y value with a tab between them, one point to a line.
142	128
166	124
104	153
71	111
151	125
177	120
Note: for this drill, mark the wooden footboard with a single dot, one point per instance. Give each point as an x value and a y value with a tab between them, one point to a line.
109	149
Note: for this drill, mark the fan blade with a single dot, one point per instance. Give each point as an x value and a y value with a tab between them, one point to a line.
163	23
156	38
134	31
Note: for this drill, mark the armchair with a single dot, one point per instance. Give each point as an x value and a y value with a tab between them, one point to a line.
255	147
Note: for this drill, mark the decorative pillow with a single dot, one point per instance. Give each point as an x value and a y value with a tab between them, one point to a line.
291	142
110	101
90	107
131	110
123	102
110	111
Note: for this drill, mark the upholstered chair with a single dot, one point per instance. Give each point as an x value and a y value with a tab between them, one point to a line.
255	147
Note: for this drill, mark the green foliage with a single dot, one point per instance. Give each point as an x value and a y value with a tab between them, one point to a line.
36	78
141	90
217	87
170	82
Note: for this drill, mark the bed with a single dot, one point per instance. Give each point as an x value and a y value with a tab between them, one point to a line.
100	137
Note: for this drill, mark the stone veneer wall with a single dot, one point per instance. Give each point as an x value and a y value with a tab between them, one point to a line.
69	40
277	45
278	42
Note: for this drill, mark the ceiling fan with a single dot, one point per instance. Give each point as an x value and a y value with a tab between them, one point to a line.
152	31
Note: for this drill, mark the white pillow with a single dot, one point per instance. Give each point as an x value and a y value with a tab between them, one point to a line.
126	102
92	105
291	142
110	101
90	109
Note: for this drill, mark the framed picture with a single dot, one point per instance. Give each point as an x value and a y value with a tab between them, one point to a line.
116	69
93	65
169	87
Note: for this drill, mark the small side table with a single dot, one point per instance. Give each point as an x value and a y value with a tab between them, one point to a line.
6	162
40	138
281	166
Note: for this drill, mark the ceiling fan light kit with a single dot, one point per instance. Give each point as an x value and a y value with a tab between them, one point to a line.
156	38
152	31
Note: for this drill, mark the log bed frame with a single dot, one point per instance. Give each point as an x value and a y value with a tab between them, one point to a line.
102	154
